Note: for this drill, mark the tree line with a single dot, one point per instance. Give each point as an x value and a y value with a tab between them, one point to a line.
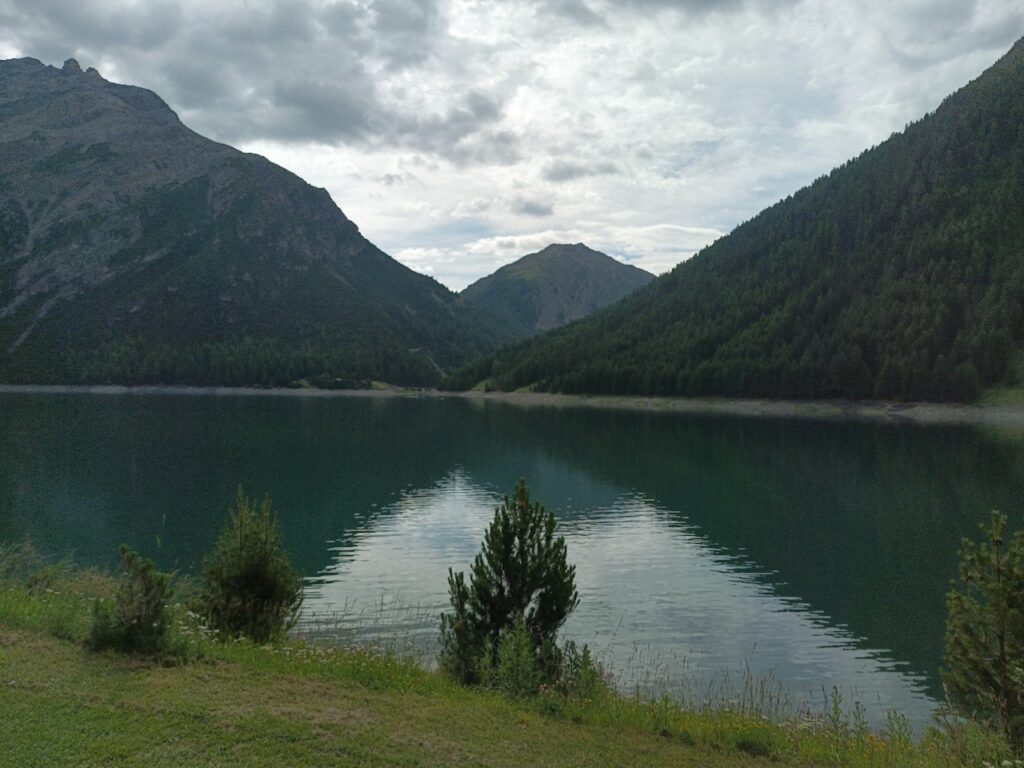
900	276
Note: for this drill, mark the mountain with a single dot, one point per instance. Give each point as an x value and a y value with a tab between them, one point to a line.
552	287
900	275
133	250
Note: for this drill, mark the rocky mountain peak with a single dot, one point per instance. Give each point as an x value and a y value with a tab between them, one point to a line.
559	284
125	236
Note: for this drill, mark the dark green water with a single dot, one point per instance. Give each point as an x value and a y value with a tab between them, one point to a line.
818	551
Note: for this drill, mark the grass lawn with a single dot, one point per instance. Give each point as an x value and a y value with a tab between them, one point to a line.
64	705
236	704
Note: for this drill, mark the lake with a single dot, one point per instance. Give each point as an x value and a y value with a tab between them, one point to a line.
818	552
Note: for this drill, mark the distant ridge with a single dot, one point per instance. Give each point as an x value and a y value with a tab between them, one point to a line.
552	287
900	276
133	250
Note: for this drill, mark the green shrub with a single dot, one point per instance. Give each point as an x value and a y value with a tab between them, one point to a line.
520	575
962	742
758	741
663	713
518	670
249	587
137	619
579	675
985	631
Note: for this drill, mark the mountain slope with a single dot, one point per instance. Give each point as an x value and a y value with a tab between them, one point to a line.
900	275
553	287
133	250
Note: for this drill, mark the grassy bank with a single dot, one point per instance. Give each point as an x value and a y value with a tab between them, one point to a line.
293	704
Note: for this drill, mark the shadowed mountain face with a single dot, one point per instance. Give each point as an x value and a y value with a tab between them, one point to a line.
133	250
553	287
900	275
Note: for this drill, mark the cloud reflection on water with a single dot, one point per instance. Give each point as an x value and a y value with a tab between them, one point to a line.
658	603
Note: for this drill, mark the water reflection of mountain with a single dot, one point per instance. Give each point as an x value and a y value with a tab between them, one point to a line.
861	521
80	473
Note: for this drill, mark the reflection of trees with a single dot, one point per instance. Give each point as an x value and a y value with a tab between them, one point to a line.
83	473
860	520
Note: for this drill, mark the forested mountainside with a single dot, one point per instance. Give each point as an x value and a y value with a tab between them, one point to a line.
552	287
133	250
900	275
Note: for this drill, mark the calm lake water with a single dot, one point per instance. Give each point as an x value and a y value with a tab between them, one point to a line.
818	552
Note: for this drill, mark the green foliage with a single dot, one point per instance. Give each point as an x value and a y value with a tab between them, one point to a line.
464	652
662	715
137	619
246	361
518	670
521	575
54	598
984	664
898	276
758	742
961	741
249	586
64	700
579	674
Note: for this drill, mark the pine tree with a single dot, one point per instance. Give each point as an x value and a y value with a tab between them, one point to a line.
520	574
138	619
250	587
984	665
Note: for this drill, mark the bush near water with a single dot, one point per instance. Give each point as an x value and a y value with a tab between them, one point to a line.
310	701
137	619
250	588
521	590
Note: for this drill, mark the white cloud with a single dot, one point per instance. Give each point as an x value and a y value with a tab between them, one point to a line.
475	207
459	134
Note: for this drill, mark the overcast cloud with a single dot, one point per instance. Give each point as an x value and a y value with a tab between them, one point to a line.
462	134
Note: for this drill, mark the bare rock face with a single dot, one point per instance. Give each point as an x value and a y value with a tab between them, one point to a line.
132	249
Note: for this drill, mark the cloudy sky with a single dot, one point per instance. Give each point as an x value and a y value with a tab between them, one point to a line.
462	134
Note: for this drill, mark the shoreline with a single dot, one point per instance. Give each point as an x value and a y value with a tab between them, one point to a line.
1002	416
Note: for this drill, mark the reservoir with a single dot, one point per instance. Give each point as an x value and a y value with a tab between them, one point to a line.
707	548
